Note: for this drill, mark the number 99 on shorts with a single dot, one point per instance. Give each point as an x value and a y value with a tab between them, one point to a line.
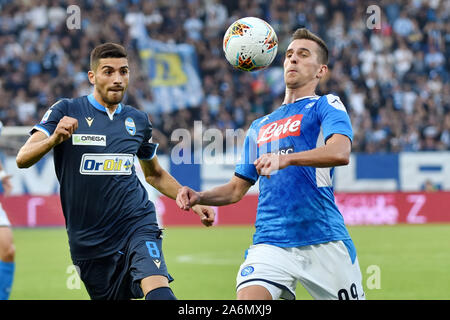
106	164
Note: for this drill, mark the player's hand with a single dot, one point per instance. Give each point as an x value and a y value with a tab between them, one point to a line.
187	198
206	214
267	163
64	130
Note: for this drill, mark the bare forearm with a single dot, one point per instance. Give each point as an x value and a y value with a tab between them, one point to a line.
32	152
220	196
165	183
321	157
336	152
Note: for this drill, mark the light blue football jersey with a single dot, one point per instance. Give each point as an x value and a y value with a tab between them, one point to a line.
296	206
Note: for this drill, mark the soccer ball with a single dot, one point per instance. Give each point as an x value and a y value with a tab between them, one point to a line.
250	44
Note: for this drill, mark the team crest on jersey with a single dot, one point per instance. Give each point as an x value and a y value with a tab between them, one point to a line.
130	126
247	271
280	129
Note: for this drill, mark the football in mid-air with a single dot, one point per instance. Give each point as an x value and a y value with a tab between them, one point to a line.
250	44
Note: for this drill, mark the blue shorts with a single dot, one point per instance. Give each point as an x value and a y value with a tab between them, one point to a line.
118	276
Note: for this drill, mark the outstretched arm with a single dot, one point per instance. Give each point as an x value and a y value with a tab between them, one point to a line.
165	183
229	193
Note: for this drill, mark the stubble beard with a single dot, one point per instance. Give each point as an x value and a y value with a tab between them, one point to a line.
112	101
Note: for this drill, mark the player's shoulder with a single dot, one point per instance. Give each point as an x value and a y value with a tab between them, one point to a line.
268	118
135	113
66	103
260	121
133	110
332	100
60	103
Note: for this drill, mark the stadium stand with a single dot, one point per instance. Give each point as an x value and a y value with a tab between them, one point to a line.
393	80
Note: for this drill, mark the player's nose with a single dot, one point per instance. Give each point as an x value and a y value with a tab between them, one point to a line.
293	59
118	80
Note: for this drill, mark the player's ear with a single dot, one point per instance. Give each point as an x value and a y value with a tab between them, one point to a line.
322	71
91	77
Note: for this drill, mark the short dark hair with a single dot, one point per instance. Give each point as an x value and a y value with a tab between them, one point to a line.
303	33
106	50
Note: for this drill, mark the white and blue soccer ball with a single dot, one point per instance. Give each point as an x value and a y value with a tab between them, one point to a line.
250	44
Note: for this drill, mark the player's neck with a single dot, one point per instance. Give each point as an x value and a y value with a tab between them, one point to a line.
292	95
110	107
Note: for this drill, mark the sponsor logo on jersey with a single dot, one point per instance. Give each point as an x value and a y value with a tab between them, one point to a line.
49	111
88	140
285	150
310	105
280	129
335	102
130	126
157	262
106	164
89	121
247	271
46	116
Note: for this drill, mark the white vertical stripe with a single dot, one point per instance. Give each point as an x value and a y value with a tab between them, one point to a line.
323	175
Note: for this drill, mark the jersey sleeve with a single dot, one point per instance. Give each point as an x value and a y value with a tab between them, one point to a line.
51	118
334	117
245	169
147	150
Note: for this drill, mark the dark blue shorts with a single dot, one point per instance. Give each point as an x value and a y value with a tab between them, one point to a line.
118	276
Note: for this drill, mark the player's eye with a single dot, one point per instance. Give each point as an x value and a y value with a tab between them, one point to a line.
303	54
124	71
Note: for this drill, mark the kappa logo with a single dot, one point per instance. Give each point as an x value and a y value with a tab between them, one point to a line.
280	129
335	102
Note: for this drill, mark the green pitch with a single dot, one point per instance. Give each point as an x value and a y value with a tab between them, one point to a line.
397	262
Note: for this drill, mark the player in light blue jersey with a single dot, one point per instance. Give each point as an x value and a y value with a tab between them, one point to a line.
300	233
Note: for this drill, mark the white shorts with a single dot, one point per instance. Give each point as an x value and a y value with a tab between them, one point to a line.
325	270
4	221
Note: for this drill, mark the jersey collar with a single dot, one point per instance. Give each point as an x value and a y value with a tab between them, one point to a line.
306	97
98	106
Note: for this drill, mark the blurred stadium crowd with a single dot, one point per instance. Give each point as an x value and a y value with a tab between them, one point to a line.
395	81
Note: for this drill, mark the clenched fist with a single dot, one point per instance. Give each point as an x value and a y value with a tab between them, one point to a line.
64	130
